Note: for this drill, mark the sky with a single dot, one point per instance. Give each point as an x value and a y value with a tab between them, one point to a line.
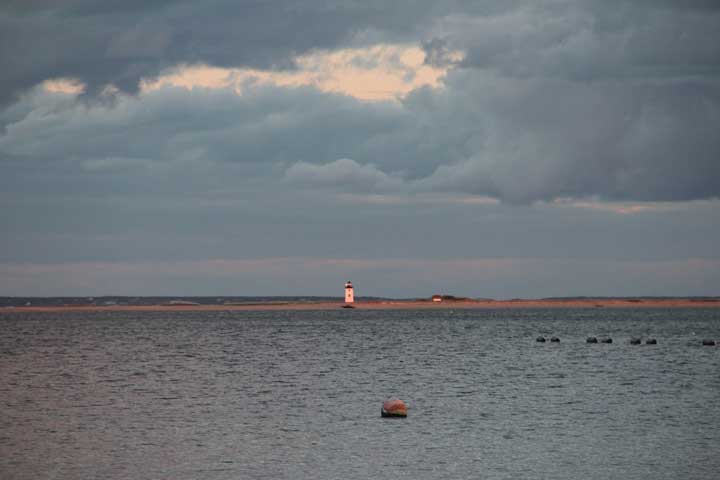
487	148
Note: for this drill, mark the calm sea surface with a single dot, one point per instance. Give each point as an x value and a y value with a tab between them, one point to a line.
236	395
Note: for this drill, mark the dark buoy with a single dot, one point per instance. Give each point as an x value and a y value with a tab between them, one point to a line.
591	340
394	408
554	339
635	341
540	339
606	340
650	341
708	342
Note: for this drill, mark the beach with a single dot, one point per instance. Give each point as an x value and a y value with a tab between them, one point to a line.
387	305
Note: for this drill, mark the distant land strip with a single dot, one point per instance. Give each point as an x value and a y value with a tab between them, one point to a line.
375	304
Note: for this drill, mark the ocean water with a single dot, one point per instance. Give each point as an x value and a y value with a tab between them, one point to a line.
238	395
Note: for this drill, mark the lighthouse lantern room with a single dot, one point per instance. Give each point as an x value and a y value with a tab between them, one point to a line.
349	294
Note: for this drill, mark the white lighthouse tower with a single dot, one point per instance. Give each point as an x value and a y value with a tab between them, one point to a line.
349	294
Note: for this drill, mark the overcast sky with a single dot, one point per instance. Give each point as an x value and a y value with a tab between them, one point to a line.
498	148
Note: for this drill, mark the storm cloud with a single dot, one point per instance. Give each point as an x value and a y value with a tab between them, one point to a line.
121	42
516	140
543	108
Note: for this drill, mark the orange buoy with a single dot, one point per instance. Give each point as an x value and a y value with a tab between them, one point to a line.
394	408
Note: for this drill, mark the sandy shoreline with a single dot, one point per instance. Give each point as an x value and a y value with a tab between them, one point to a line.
382	305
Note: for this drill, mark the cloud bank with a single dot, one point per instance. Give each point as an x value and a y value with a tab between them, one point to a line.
162	121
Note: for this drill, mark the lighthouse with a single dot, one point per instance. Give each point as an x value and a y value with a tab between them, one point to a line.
349	294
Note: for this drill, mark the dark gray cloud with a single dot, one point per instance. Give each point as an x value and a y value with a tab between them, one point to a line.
120	43
267	128
518	140
589	102
588	41
540	139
